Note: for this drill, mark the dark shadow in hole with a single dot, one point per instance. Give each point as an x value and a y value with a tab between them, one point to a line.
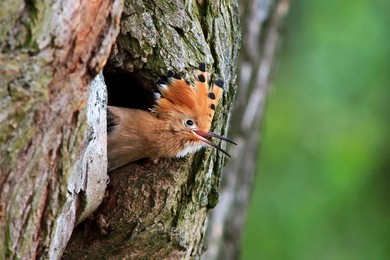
124	90
179	31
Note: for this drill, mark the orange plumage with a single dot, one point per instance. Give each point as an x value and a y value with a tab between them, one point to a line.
177	125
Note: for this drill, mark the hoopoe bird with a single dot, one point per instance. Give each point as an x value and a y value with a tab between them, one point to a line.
177	125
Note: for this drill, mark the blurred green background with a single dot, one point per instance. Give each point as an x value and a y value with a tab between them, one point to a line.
323	187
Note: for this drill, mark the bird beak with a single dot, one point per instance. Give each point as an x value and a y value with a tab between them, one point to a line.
211	134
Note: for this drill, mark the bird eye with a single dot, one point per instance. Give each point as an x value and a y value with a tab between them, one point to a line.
189	123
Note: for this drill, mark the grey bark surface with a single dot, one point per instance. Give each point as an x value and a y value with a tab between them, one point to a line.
158	211
52	154
261	22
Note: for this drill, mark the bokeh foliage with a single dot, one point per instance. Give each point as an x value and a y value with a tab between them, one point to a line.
322	191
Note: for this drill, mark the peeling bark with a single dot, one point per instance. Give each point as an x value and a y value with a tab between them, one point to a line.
50	50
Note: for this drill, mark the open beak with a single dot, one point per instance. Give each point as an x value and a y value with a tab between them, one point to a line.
211	134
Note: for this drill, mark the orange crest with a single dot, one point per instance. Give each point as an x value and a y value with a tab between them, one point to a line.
197	101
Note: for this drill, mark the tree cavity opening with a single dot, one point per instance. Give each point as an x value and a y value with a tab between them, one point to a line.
125	90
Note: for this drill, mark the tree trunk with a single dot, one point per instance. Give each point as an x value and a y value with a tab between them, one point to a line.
262	21
52	154
157	211
53	151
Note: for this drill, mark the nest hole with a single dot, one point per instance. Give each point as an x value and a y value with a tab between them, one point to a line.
126	90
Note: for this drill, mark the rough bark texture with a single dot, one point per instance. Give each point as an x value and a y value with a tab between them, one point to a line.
50	50
261	23
52	151
157	211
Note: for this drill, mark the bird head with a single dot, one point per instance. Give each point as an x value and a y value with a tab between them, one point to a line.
189	109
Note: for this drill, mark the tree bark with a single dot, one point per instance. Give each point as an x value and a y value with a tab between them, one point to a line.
262	21
52	131
157	211
52	154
